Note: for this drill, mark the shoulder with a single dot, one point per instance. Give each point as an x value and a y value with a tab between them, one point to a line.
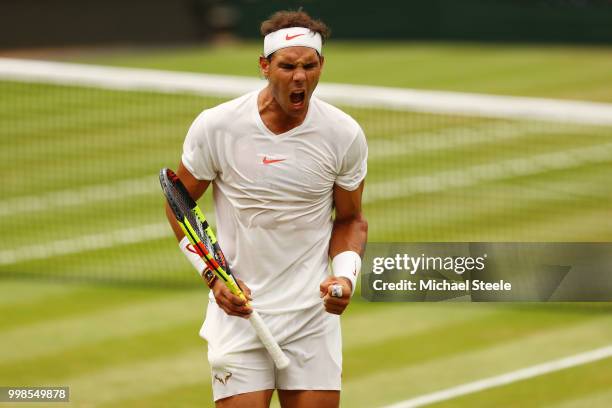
335	116
340	123
344	129
226	113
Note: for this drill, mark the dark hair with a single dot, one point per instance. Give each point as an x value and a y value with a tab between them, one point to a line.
290	18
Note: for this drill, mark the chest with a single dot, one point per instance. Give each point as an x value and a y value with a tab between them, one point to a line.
298	167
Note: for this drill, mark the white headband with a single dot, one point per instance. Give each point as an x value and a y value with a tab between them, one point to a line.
292	37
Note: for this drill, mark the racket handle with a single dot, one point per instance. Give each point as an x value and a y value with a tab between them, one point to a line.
280	359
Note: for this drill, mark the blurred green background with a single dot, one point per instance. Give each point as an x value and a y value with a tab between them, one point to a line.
95	295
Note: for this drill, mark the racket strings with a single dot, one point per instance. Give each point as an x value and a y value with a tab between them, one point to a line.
185	206
209	246
214	250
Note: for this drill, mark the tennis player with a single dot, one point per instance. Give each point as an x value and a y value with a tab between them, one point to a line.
287	171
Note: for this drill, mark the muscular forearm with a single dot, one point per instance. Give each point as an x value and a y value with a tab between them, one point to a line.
349	234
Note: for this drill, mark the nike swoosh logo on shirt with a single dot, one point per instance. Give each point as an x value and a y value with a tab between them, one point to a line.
270	161
291	37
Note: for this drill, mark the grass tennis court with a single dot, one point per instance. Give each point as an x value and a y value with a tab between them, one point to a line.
91	156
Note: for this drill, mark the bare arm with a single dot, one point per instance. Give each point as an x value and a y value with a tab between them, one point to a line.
349	233
350	227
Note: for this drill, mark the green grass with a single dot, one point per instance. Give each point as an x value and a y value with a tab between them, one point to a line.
108	323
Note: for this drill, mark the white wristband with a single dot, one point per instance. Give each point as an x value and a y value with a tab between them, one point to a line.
193	257
347	264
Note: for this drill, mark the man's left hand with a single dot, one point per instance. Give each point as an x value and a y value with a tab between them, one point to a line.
335	305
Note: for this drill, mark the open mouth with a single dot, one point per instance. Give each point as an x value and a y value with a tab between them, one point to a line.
297	97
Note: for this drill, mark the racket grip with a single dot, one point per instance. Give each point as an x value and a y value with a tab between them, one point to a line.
280	359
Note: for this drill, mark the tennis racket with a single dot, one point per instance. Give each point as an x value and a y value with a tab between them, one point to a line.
196	228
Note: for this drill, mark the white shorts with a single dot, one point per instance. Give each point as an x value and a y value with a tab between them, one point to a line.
311	339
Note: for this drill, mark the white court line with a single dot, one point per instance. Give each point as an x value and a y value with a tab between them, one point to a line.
461	136
440	102
85	243
470	176
508	378
92	193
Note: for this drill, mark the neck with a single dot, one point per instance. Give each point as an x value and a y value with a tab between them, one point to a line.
274	117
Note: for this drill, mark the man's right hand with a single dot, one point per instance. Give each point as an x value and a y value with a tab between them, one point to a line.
230	303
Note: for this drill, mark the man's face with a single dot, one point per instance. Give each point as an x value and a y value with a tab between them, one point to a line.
293	74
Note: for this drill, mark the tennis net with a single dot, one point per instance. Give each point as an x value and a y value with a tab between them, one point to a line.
82	144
